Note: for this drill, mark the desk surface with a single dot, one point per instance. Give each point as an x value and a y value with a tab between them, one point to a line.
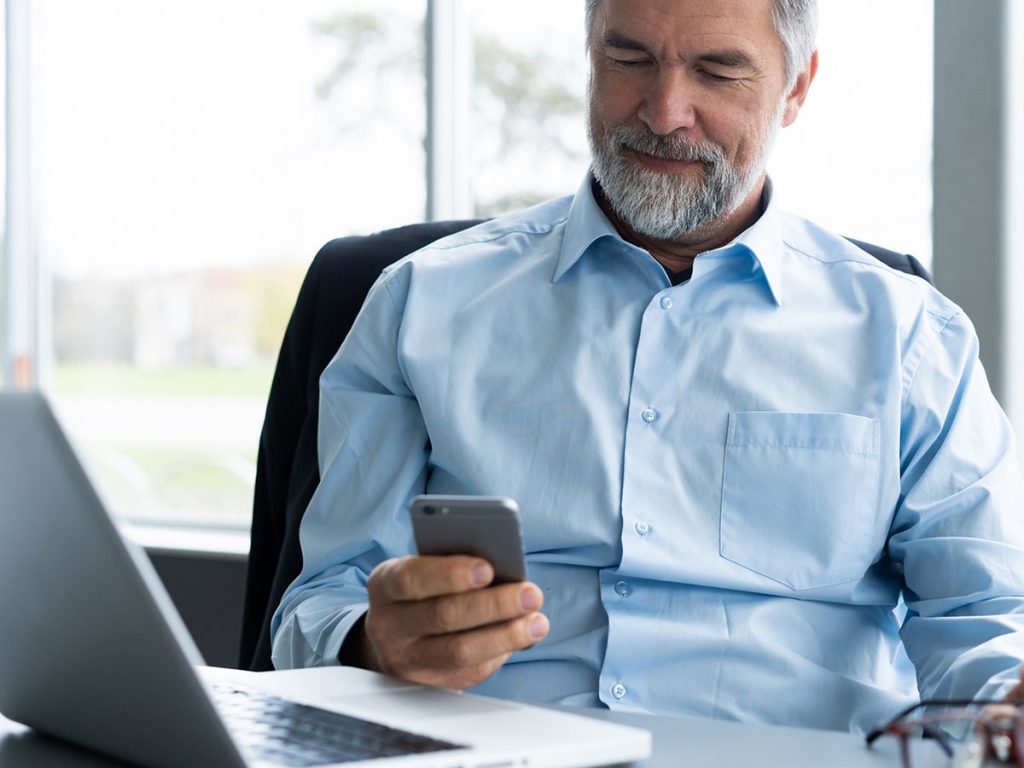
677	742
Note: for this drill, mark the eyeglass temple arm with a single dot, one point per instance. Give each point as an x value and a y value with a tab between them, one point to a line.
929	730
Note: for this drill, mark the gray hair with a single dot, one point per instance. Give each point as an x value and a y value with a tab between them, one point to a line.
796	21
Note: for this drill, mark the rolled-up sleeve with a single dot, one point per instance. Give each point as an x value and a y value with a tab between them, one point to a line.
959	529
372	448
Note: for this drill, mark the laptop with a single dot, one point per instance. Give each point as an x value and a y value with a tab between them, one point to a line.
92	651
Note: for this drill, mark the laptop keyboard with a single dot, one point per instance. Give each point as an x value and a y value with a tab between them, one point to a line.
273	730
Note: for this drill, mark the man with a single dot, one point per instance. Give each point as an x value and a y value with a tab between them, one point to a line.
736	439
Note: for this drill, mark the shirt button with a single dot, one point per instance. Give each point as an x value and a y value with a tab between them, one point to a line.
649	415
643	527
618	690
623	588
666	302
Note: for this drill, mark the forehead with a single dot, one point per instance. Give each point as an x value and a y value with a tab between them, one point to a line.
683	27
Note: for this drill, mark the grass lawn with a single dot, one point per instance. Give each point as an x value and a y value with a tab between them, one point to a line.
195	478
123	379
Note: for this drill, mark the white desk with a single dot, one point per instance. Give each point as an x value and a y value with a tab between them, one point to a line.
678	742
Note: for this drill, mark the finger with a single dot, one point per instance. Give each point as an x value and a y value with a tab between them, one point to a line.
455	613
419	577
476	647
1016	695
460	678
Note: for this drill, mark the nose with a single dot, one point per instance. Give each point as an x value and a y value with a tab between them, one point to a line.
668	104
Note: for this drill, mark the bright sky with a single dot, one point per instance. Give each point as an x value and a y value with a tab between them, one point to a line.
178	135
185	134
858	159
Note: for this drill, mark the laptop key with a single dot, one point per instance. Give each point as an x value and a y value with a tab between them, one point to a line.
271	730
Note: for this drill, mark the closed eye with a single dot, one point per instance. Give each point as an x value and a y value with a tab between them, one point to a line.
716	78
629	63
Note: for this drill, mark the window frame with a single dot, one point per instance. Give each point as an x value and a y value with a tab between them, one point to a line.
26	340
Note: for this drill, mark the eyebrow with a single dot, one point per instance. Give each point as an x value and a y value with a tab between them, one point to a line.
616	40
728	58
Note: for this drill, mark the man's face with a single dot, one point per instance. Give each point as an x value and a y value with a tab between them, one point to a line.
686	97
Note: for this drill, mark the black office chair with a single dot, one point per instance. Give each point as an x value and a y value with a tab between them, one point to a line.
287	471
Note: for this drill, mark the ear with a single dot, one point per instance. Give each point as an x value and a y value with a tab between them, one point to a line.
795	98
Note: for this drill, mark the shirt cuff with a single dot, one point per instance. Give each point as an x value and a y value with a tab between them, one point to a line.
999	686
340	633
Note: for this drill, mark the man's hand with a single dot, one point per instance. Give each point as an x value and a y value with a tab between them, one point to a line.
1016	694
435	620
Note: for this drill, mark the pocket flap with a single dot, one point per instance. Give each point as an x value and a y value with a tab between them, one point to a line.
842	432
799	496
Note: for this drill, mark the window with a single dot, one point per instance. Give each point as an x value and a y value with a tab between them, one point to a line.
529	80
194	156
858	159
190	158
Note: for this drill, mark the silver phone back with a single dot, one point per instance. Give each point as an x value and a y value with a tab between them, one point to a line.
484	526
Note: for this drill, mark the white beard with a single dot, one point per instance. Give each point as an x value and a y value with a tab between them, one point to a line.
664	206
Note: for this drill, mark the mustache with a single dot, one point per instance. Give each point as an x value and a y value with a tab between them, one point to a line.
669	147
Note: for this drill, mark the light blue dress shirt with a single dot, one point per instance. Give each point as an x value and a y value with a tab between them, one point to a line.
725	485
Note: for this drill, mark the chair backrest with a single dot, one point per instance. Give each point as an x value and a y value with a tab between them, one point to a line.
287	471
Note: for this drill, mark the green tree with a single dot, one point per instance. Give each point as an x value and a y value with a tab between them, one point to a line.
523	107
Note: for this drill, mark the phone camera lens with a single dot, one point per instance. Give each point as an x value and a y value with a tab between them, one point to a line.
428	510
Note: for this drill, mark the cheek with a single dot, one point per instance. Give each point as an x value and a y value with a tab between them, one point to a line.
610	105
739	132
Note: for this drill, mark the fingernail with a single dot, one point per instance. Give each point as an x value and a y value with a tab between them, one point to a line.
480	574
529	599
538	627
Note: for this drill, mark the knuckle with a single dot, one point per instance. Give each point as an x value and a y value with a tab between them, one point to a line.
401	579
488	668
379	578
491	604
403	583
445	615
460	652
472	676
375	625
477	673
509	603
374	579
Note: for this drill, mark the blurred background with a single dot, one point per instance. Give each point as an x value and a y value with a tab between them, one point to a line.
172	168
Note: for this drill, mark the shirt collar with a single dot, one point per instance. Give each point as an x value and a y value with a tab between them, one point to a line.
587	223
763	240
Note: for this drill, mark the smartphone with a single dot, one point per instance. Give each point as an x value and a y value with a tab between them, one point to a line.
484	526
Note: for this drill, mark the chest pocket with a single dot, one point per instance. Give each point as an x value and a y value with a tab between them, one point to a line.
799	496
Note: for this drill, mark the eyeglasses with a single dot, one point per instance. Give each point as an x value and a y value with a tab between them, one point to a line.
966	733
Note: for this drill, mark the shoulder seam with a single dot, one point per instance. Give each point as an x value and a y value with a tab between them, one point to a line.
868	261
443	246
910	376
872	263
387	277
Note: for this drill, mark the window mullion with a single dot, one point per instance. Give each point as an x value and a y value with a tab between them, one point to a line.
21	285
1013	204
449	81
